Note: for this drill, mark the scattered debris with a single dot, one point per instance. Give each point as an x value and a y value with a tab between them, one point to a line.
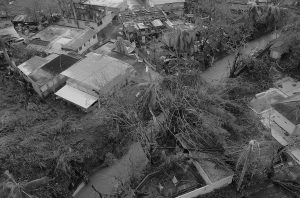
110	181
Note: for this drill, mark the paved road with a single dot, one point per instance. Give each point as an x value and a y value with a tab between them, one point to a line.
221	68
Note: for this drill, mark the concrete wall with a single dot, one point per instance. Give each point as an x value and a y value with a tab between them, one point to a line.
53	85
283	122
88	44
50	87
84	24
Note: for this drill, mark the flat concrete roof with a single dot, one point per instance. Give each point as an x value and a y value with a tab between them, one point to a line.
42	70
106	48
34	63
288	86
76	96
263	101
79	40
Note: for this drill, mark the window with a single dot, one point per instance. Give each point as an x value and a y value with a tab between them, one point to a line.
84	45
100	23
94	36
80	48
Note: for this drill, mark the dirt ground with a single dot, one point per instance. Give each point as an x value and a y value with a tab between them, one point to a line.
39	138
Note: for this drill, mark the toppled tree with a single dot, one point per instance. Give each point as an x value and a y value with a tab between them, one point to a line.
9	188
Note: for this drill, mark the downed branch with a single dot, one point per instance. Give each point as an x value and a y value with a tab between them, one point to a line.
9	188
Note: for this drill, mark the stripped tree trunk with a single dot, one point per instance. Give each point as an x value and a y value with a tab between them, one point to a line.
6	56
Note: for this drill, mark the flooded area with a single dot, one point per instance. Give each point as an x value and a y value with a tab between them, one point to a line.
221	68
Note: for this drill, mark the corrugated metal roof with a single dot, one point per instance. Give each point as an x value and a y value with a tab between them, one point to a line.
21	17
76	96
97	70
80	40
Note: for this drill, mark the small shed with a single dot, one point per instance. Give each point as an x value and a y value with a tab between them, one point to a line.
44	73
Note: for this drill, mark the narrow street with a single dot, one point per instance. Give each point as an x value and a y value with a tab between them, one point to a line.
221	68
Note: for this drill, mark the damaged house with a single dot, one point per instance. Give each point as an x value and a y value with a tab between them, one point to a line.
82	43
44	73
285	114
62	40
278	109
143	25
95	14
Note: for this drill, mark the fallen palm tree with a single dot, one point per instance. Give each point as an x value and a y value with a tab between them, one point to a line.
9	188
196	116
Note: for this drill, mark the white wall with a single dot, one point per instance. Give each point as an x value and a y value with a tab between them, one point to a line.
283	122
84	24
88	44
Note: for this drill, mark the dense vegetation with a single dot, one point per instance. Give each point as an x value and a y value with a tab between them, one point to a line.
51	138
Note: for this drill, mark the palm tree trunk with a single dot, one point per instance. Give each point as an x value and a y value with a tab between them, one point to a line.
6	56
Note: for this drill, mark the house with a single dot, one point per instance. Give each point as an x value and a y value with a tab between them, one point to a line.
44	73
95	74
95	14
82	43
61	40
19	19
278	109
143	25
169	6
286	114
